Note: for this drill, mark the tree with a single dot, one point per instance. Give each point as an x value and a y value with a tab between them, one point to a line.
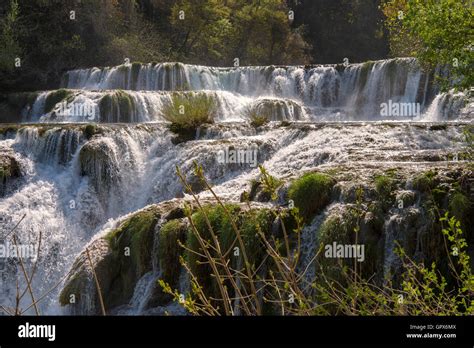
9	47
438	32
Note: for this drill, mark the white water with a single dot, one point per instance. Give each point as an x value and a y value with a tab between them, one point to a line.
292	93
73	189
143	159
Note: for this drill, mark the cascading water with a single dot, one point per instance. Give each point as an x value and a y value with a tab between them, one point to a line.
78	181
140	92
72	185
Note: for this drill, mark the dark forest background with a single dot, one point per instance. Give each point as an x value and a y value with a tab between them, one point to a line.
40	39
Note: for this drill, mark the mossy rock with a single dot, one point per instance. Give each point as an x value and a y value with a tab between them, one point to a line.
9	172
99	162
171	234
55	97
248	222
90	130
80	290
117	106
352	225
311	193
131	245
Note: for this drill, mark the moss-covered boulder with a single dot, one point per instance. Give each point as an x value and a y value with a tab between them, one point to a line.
80	292
55	97
132	246
120	259
99	162
171	236
117	106
311	193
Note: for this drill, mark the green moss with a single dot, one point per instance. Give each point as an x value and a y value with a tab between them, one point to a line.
55	97
90	130
385	185
311	193
254	222
134	235
117	107
425	182
459	206
169	250
105	106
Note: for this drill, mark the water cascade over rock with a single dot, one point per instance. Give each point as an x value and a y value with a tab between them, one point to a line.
140	92
92	167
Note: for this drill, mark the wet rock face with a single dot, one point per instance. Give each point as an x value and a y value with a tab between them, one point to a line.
145	246
99	162
10	172
120	258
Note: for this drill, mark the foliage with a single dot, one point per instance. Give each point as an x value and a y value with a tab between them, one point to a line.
339	29
257	118
189	111
337	289
256	32
9	46
436	32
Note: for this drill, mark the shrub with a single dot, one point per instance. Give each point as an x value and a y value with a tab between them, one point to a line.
257	118
188	112
311	193
384	185
424	182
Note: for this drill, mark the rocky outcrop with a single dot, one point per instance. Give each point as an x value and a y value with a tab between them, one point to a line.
10	172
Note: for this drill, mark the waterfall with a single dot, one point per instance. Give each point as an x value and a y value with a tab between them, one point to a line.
74	182
140	92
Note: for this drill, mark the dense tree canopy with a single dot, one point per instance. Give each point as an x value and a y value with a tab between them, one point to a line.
438	32
40	39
